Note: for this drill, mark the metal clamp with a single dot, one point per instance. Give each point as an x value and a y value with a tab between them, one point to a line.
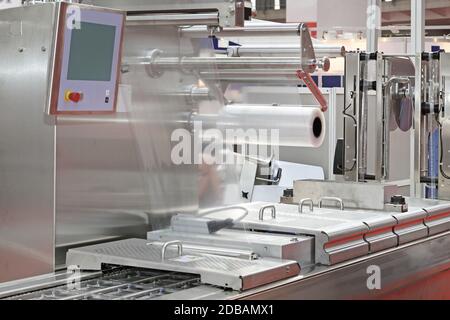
263	209
302	203
169	244
334	199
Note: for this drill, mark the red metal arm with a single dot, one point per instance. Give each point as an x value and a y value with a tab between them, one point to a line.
308	80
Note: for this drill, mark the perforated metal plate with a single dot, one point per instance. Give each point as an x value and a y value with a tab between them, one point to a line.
222	271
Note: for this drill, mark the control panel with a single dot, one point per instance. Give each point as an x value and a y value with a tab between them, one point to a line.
87	60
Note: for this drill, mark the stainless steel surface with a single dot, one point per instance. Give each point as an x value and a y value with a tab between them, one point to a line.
354	195
27	143
297	248
345	234
336	200
399	267
411	225
336	240
406	265
231	13
380	235
222	271
438	219
182	19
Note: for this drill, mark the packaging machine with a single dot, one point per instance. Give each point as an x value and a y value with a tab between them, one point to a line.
97	95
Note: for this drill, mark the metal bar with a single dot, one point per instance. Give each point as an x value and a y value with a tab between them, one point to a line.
179	19
247	31
436	27
286	50
283	66
417	46
351	115
382	153
257	76
206	63
374	24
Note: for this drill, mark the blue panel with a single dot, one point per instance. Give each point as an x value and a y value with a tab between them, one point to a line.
215	43
433	163
435	48
331	81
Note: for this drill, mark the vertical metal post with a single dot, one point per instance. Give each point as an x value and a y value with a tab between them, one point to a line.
417	47
351	115
381	148
373	24
332	106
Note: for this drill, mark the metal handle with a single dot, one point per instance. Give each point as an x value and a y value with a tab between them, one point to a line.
263	209
171	243
334	199
302	203
275	180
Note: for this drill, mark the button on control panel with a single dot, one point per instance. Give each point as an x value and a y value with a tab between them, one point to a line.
72	96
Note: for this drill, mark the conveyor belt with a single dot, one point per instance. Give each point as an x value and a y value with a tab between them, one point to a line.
130	284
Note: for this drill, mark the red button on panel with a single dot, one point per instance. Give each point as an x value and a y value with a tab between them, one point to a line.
73	96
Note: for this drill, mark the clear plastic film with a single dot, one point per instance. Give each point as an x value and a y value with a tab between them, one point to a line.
185	95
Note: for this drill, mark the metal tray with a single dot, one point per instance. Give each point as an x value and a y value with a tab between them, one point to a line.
222	271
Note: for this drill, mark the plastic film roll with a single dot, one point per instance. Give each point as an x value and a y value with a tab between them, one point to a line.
268	125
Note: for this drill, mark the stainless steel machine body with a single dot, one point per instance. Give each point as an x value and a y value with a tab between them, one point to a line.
27	143
97	179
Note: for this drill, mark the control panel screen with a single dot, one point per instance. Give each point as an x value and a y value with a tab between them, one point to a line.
88	54
91	52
